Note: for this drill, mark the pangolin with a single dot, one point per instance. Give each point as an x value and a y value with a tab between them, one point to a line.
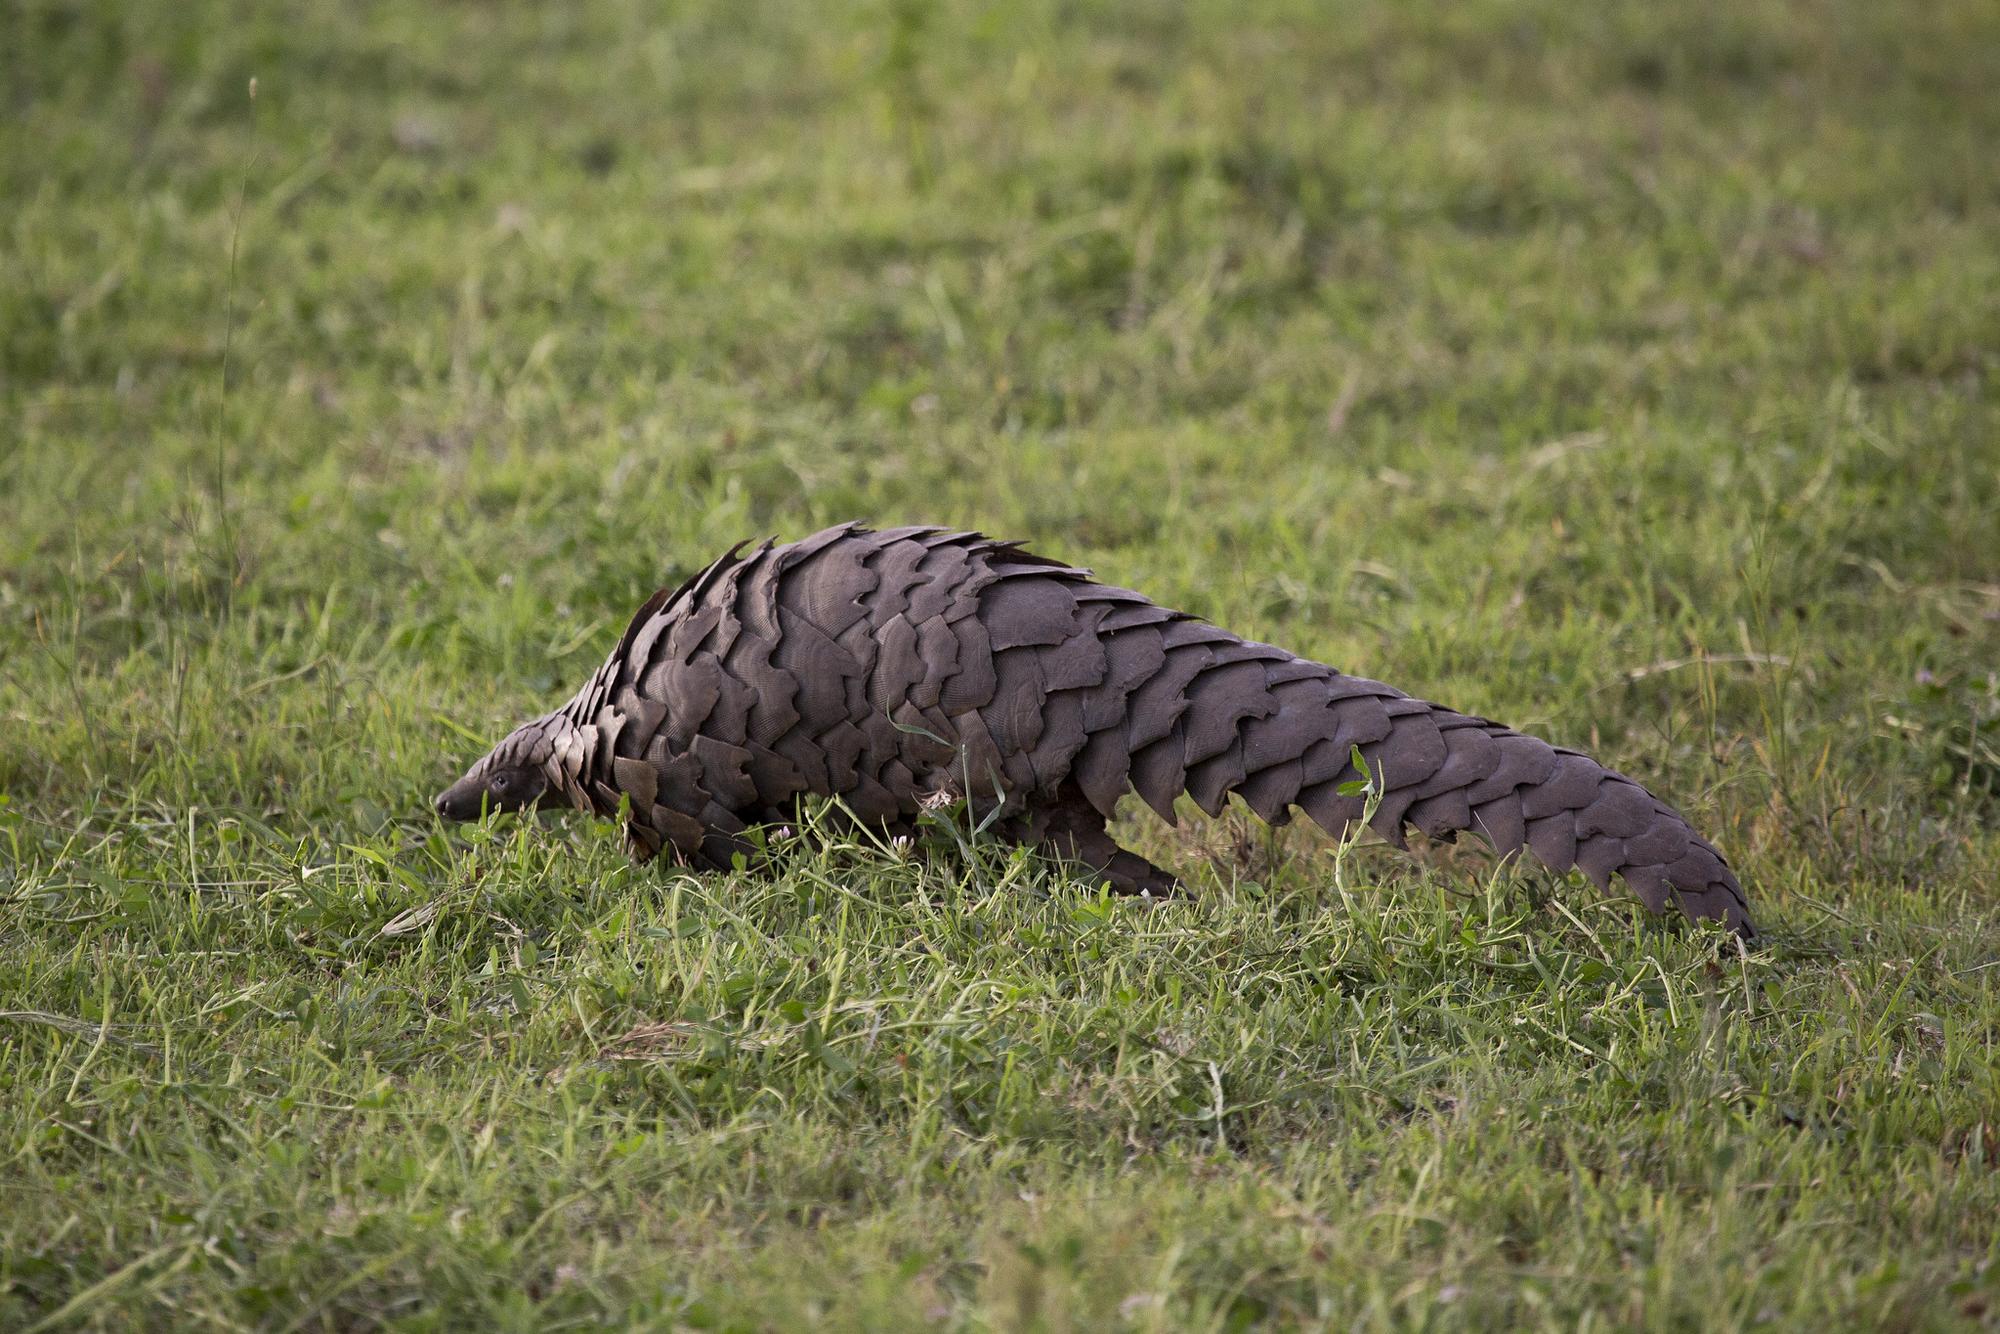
901	668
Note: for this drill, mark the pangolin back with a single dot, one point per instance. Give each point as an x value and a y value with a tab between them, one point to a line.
885	668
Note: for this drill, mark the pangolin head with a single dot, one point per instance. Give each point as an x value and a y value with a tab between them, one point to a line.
533	766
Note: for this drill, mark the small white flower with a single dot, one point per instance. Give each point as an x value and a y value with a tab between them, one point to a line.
1140	1301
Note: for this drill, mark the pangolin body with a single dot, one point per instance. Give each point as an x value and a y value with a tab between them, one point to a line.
896	668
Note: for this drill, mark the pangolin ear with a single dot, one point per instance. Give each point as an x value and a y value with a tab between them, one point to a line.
552	796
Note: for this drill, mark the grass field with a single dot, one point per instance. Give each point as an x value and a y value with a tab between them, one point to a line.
1624	372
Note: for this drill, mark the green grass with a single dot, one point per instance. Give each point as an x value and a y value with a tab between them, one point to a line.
1624	372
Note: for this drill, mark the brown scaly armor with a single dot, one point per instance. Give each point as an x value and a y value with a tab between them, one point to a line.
899	668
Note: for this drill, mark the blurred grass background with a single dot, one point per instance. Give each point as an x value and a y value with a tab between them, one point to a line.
1624	372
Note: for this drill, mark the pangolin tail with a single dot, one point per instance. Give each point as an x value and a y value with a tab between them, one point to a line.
1211	714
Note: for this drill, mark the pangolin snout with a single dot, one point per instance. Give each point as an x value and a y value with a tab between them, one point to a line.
460	801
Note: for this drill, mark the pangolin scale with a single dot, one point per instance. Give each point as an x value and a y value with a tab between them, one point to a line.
893	669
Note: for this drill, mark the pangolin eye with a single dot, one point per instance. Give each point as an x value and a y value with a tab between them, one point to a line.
501	782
